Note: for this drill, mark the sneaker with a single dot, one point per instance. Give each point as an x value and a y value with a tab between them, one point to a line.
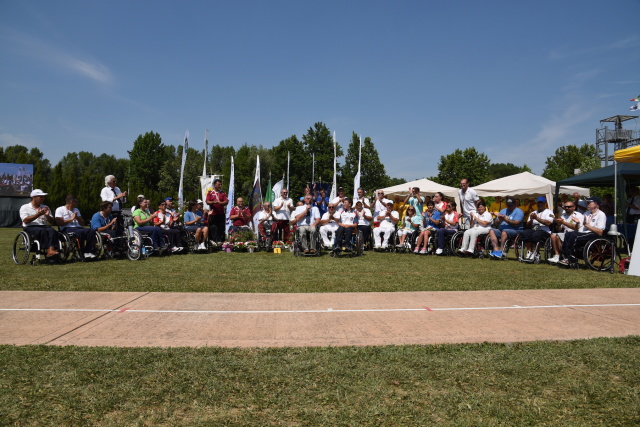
416	250
563	262
529	255
89	255
496	254
438	251
423	251
176	249
554	259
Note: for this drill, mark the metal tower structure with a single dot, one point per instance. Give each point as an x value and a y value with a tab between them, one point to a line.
619	137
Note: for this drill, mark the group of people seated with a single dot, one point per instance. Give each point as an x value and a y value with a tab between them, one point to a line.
333	221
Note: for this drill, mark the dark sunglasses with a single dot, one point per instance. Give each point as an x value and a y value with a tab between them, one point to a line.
567	207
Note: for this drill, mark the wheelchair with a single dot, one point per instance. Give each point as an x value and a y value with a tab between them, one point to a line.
128	244
409	242
544	247
190	244
357	245
479	247
391	243
26	249
70	246
601	253
297	244
511	243
264	241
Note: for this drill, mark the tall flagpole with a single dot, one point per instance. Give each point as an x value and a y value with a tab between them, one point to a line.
206	151
313	167
334	188
288	160
184	160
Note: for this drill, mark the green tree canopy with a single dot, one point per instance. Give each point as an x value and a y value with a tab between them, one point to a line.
500	170
372	172
148	157
568	158
463	164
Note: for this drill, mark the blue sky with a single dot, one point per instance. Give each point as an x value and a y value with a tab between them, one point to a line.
420	78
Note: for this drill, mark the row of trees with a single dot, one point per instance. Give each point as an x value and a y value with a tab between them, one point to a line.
153	168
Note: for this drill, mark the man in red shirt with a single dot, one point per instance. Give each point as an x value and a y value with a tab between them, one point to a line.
217	201
240	216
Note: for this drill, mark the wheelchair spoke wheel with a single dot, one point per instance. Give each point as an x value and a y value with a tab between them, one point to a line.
599	254
134	252
456	242
21	248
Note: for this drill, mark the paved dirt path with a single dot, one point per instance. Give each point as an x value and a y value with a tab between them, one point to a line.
131	319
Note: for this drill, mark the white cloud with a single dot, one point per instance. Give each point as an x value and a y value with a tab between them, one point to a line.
50	54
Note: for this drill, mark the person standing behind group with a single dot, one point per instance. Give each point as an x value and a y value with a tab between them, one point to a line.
468	200
415	199
282	208
322	200
69	220
111	193
366	204
217	201
439	203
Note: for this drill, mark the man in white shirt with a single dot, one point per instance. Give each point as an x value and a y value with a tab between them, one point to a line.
35	217
366	204
379	205
328	226
70	221
388	220
338	201
364	220
468	200
282	208
570	221
539	224
594	224
307	218
111	193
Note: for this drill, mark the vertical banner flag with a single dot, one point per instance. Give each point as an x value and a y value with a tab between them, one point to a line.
334	186
255	201
206	152
277	189
184	160
356	179
313	168
230	195
268	195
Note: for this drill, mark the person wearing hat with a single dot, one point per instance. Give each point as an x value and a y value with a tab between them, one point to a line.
539	227
509	221
171	210
594	224
388	220
35	217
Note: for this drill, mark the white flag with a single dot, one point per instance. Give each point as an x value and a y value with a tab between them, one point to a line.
356	179
277	189
230	195
206	152
184	160
334	186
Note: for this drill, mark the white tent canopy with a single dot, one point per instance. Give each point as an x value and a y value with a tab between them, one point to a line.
427	188
525	184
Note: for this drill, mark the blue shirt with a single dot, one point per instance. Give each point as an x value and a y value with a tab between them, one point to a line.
98	221
322	207
429	223
512	215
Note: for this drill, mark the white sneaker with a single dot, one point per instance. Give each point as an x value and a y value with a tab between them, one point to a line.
529	255
176	249
438	251
89	255
554	259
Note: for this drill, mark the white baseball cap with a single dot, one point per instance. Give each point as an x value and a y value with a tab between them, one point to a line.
38	192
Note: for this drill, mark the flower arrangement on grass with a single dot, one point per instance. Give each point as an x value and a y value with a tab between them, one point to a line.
251	244
277	244
227	245
239	247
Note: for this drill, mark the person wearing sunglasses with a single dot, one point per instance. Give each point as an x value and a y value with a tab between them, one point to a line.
570	221
412	222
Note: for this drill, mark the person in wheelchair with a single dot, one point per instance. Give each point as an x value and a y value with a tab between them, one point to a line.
193	223
282	208
480	225
364	218
266	221
451	220
509	222
307	218
388	220
329	226
570	221
240	216
143	221
540	222
35	217
411	223
432	222
70	221
165	221
347	225
594	225
102	221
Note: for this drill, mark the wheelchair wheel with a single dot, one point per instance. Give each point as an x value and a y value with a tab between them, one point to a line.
359	246
99	250
21	248
599	254
66	246
522	251
548	249
488	246
134	252
189	241
512	243
456	242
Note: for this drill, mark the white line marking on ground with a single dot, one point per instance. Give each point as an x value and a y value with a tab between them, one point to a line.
329	310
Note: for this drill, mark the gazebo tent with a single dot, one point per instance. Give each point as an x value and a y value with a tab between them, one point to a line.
524	184
426	186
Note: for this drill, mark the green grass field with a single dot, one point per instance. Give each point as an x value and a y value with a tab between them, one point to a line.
543	383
